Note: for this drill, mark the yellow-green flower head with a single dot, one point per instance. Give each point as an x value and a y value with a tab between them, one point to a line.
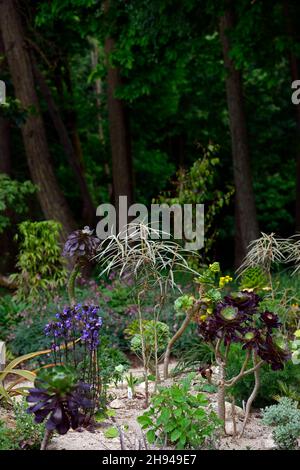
224	280
214	267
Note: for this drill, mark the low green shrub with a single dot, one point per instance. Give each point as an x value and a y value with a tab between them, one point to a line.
10	314
179	417
26	434
285	418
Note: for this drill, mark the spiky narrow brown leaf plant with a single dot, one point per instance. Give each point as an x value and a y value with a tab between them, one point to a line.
265	252
152	259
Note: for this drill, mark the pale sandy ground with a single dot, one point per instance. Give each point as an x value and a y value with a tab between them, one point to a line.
256	435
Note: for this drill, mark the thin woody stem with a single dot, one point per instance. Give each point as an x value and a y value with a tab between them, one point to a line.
243	374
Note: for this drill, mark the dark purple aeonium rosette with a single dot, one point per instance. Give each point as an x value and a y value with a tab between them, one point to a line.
59	397
245	301
81	245
270	320
274	352
230	318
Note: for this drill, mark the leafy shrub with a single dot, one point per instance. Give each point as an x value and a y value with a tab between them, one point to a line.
9	314
25	435
39	260
13	195
28	336
108	360
253	278
177	416
155	335
285	417
6	442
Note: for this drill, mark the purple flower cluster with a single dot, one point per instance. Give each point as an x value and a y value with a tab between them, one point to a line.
237	319
81	321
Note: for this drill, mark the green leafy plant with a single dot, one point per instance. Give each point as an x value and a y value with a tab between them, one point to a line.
6	442
155	336
40	265
253	278
131	382
13	196
198	185
285	418
11	389
108	360
295	345
179	417
26	434
10	311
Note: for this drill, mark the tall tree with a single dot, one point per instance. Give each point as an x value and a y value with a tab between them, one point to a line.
53	203
119	133
5	157
246	225
295	75
68	146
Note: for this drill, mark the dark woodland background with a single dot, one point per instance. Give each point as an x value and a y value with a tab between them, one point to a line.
162	100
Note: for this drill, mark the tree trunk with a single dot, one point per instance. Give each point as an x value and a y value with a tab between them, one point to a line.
295	75
89	210
5	163
5	156
119	134
97	85
52	201
246	225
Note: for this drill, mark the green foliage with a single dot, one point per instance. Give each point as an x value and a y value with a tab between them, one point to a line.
58	380
253	278
109	359
198	186
269	380
111	433
184	303
295	345
39	260
155	336
179	417
285	417
6	442
9	390
28	335
10	311
27	434
13	196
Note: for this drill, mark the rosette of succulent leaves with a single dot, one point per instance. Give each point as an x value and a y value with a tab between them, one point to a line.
268	252
227	318
80	247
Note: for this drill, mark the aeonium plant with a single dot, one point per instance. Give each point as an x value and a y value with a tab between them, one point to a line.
210	284
81	247
238	318
61	398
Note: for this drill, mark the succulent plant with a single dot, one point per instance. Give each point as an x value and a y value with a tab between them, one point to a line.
81	245
237	319
58	396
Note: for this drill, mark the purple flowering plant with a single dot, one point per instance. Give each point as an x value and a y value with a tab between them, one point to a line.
75	337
